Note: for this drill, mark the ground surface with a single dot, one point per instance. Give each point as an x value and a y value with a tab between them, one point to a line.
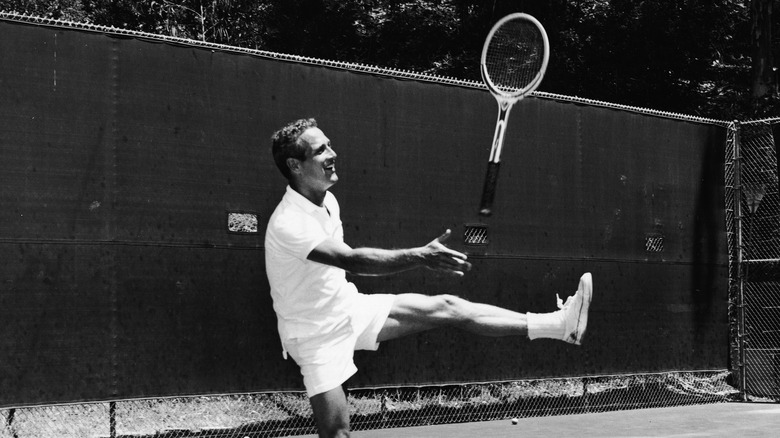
732	420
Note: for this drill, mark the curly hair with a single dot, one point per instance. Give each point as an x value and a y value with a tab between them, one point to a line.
286	145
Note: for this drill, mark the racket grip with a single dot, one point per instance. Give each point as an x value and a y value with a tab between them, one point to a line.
489	190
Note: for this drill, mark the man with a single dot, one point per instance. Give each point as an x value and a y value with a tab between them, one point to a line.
322	318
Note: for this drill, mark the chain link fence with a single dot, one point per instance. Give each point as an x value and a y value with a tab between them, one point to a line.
753	228
289	413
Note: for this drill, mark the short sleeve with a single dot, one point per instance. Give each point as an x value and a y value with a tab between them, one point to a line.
297	235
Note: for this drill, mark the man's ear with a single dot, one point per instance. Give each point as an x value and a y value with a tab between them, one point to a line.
293	164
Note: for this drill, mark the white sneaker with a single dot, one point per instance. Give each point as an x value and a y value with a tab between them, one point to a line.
575	310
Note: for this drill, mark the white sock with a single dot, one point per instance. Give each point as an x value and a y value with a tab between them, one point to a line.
546	325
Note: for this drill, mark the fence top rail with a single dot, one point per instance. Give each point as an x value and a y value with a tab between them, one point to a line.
354	67
767	121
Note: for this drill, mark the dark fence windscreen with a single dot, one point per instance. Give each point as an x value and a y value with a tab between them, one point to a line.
124	160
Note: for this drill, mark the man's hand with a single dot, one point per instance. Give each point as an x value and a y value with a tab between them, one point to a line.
440	258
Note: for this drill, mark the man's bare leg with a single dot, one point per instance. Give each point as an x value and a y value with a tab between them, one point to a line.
331	412
413	313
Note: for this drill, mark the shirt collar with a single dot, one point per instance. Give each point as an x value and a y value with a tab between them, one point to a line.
301	201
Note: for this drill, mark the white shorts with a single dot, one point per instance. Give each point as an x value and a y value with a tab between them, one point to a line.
326	361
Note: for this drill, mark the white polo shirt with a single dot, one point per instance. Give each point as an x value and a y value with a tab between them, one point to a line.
309	298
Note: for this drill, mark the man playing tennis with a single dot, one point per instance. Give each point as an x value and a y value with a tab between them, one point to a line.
323	319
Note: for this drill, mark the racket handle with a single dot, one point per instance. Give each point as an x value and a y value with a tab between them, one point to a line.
489	190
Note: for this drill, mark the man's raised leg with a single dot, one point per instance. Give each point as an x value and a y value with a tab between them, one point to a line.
413	313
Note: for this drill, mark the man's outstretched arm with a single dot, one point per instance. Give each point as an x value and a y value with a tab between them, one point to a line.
377	261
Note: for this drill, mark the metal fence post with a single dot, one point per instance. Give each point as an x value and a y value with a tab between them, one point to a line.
112	419
740	265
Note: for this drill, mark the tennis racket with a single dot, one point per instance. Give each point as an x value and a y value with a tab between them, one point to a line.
514	59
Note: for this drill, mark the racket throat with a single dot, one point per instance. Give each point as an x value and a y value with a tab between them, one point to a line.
498	136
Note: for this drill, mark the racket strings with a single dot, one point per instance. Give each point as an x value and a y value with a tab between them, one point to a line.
515	56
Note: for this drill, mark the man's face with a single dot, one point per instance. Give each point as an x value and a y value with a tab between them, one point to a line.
318	170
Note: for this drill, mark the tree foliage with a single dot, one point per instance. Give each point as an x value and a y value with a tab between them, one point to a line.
689	56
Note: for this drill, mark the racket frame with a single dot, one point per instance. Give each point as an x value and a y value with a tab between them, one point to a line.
505	100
